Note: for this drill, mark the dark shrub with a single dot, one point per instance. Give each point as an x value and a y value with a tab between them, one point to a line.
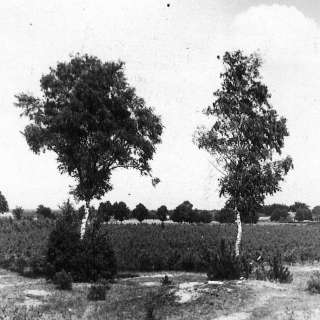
63	280
86	260
278	272
98	292
314	282
225	265
166	281
17	213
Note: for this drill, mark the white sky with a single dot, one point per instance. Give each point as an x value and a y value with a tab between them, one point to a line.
171	59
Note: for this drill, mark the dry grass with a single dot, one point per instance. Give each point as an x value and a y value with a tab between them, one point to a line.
189	296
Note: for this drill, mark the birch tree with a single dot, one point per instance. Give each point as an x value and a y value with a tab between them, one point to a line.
246	134
95	123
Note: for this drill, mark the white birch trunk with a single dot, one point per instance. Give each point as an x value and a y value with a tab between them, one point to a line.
239	235
84	220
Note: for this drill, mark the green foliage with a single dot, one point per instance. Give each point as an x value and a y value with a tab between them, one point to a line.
269	209
3	204
121	211
93	120
313	285
17	213
140	212
166	281
303	214
298	205
98	292
278	272
182	211
162	213
105	211
246	133
279	215
82	211
88	259
316	213
225	265
63	280
251	217
225	215
45	212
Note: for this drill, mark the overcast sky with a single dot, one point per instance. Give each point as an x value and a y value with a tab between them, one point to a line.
170	49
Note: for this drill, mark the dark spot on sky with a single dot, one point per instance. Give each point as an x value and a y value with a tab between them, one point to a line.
218	57
30	24
168	5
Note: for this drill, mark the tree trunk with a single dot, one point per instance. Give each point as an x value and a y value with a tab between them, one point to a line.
239	235
85	219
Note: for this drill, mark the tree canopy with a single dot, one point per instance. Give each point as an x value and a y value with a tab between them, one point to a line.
3	204
93	120
246	133
140	212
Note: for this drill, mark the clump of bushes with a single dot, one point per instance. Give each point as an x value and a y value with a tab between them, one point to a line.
18	213
98	292
314	282
276	272
166	281
225	265
63	280
89	259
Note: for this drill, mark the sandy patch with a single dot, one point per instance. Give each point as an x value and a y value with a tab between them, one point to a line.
37	293
150	284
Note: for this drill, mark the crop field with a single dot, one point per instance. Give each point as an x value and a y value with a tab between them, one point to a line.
155	248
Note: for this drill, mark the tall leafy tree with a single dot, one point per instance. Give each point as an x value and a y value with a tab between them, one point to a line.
298	205
140	212
244	137
182	211
121	211
3	203
95	123
162	213
105	211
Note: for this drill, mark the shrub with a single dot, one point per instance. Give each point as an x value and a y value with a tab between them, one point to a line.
98	292
314	282
17	213
21	262
86	260
278	272
63	280
166	281
225	265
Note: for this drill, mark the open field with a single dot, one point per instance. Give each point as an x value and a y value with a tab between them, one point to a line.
190	296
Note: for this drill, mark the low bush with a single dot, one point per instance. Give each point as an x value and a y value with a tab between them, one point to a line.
63	280
275	272
314	282
166	281
18	213
278	272
225	265
98	292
